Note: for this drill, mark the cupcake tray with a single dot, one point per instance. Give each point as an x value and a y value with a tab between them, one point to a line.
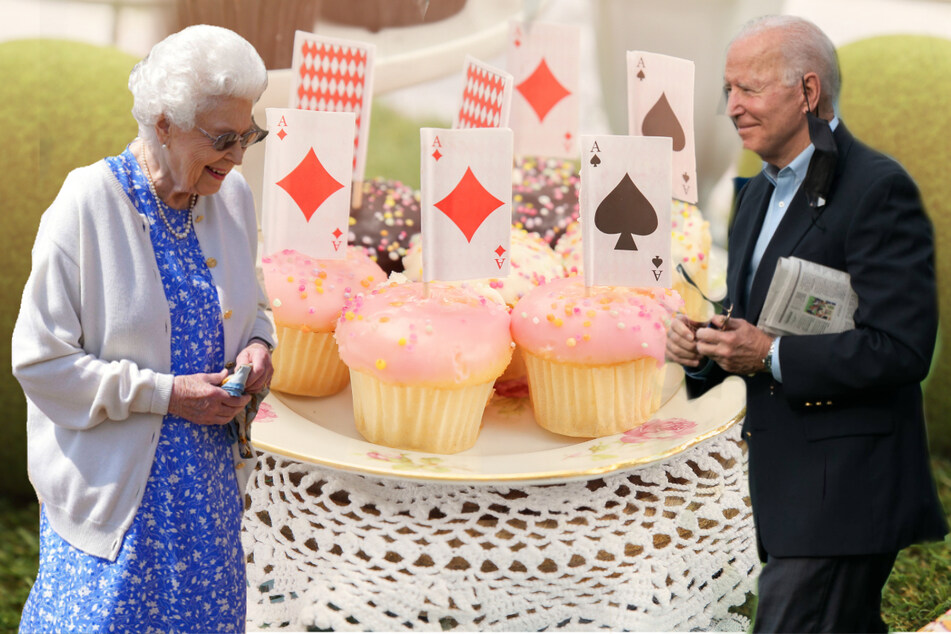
511	446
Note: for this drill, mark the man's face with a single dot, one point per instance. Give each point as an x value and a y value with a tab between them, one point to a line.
769	115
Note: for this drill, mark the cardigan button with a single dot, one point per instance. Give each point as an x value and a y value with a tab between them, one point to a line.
199	218
211	263
227	314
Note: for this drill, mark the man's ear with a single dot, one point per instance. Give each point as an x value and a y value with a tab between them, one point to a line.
812	91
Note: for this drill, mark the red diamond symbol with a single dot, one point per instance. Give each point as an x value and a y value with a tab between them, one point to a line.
281	133
337	233
542	90
309	184
500	251
437	155
469	204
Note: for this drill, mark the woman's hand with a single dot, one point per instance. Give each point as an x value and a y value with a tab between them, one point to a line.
200	399
257	355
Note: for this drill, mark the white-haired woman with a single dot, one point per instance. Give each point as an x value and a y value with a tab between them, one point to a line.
141	295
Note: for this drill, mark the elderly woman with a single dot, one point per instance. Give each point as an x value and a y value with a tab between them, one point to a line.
142	295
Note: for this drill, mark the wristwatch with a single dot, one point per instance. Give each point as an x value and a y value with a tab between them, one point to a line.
267	345
768	359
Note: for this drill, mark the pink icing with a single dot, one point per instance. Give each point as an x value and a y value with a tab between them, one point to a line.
452	337
308	293
610	325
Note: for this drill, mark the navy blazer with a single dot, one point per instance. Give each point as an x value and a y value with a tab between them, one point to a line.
838	458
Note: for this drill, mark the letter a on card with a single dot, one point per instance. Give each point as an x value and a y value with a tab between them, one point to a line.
625	210
660	103
307	181
466	200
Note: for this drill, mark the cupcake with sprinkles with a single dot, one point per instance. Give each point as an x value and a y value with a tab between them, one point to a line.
545	196
423	359
385	221
594	356
306	296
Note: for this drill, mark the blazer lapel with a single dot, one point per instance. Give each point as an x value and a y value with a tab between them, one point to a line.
743	240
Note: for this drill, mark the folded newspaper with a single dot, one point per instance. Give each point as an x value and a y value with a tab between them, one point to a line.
806	298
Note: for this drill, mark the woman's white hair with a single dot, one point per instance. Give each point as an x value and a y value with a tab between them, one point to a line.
186	73
805	49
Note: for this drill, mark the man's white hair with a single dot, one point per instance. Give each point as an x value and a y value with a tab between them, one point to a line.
805	49
186	73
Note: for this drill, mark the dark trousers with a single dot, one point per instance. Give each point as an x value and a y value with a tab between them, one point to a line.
822	594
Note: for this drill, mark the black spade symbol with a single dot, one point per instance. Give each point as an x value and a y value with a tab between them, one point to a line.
641	75
657	261
595	161
626	211
660	120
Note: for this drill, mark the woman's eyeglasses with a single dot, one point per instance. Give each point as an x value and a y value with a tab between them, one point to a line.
224	141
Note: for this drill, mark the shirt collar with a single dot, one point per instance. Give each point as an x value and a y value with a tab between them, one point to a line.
799	165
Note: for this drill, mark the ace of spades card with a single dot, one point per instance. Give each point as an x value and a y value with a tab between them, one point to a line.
307	181
466	202
625	210
543	60
660	103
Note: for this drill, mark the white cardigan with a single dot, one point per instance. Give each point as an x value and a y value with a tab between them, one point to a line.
91	346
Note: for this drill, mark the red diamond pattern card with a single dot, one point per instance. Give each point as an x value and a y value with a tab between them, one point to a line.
625	210
466	202
543	60
307	181
335	75
660	103
486	97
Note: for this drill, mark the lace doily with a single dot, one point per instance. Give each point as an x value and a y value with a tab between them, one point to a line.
666	547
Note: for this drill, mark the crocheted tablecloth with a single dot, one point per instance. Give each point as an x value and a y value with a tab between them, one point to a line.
664	547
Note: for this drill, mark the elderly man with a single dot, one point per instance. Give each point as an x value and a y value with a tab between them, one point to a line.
838	459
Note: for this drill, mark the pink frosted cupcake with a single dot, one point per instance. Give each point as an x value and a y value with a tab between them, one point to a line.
422	367
306	296
595	361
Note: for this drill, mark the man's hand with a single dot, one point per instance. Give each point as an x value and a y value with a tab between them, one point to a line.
682	342
258	357
736	345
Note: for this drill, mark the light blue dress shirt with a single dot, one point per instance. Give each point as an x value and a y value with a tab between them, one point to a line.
786	183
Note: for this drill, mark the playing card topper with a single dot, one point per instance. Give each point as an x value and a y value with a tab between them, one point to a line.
335	75
486	97
466	202
543	60
625	210
660	103
307	181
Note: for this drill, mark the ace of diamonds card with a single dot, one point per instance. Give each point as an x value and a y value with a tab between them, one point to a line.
466	200
625	210
660	103
543	60
307	181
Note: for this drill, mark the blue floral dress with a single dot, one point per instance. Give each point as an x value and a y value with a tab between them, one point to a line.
181	566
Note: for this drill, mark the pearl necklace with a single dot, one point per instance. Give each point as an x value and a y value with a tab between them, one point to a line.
180	235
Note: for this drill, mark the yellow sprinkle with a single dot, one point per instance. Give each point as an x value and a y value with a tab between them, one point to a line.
550	317
384	319
380	364
591	312
349	315
586	337
365	283
320	290
570	342
384	232
558	321
353	220
290	279
322	275
303	295
587	324
402	341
